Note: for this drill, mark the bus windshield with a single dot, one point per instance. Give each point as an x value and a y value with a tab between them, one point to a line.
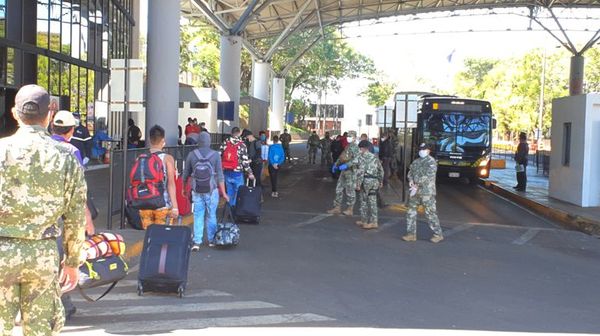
457	132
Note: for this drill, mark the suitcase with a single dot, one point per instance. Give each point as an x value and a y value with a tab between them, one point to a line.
248	203
184	203
165	259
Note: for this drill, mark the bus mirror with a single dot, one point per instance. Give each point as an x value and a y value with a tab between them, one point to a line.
494	123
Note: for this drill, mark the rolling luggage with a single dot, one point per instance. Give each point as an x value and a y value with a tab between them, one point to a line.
228	233
183	202
165	259
247	204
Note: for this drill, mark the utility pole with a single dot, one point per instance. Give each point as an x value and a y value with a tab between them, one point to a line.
541	110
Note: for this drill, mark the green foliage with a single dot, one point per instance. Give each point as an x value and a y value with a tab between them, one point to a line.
300	108
378	93
592	70
200	55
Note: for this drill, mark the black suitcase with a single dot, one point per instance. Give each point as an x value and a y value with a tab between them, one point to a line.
165	259
248	203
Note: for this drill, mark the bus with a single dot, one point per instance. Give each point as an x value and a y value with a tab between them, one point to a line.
459	132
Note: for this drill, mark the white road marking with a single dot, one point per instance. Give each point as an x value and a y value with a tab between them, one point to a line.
180	308
200	323
457	229
527	236
314	220
150	295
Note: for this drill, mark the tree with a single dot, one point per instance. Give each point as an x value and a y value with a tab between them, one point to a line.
592	70
378	93
200	55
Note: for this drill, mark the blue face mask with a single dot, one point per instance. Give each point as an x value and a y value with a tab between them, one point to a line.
263	137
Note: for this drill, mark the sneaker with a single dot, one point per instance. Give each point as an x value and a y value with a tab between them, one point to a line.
211	245
195	247
409	238
436	239
276	194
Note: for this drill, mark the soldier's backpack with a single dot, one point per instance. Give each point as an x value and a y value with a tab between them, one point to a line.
231	159
203	176
147	182
345	156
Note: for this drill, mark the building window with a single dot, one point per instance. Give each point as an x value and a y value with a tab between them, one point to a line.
369	119
198	105
567	144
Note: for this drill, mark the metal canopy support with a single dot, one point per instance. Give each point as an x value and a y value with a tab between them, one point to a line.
573	48
290	65
285	33
318	9
215	20
253	52
244	18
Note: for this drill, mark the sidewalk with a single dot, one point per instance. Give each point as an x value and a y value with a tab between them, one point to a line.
536	198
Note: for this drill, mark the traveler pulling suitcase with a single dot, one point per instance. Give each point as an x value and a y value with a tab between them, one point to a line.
165	259
247	203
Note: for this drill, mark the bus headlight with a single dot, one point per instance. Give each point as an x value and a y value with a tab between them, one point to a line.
483	172
484	162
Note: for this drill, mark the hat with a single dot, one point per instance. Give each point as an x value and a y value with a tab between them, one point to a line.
364	144
424	146
64	119
32	99
352	134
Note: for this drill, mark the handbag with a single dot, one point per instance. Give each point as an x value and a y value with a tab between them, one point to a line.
100	272
228	233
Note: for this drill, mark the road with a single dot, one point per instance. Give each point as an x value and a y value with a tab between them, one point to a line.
501	269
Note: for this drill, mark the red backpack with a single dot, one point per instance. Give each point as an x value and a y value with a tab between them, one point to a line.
147	183
231	158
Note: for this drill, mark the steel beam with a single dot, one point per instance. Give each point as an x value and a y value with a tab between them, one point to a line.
284	33
215	20
244	18
298	56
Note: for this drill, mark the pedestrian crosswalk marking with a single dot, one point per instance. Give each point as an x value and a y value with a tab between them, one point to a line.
180	308
527	236
134	296
199	323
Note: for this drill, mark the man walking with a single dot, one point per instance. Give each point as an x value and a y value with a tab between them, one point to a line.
203	165
421	178
38	184
313	145
521	162
285	139
346	184
369	179
235	163
326	150
386	155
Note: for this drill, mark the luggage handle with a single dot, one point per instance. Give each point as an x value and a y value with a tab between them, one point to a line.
89	299
227	213
168	220
248	183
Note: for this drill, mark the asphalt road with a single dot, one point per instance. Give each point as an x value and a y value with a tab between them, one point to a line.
501	268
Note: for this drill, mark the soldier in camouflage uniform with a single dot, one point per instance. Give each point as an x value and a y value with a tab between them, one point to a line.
38	184
421	177
313	146
369	178
347	163
326	150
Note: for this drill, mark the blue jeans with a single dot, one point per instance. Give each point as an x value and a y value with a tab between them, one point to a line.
205	209
233	181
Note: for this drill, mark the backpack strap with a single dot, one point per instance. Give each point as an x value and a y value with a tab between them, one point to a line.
89	299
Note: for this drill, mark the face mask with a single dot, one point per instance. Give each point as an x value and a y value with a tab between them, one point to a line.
263	137
350	139
423	153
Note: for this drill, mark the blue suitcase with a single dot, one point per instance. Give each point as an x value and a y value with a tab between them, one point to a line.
248	203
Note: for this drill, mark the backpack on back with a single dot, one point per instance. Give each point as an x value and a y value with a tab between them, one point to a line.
231	158
203	174
147	182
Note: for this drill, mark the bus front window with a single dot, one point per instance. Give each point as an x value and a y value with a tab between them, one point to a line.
457	132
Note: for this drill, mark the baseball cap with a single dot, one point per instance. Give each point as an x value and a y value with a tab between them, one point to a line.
364	144
424	146
64	119
32	100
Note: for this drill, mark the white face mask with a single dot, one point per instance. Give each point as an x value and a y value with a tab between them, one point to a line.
423	153
350	139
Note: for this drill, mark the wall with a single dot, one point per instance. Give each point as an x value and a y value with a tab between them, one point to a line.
579	182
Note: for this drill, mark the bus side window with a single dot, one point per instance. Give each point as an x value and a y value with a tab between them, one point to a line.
494	123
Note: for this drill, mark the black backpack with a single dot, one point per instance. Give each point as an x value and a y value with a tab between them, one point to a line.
204	181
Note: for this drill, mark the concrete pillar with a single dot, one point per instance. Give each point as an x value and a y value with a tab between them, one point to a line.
162	105
230	74
261	75
276	118
576	75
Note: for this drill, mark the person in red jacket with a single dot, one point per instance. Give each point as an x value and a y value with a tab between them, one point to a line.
344	140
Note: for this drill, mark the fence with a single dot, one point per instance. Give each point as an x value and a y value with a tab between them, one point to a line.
540	158
119	170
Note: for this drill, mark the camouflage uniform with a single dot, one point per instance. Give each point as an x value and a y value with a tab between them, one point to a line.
346	184
285	140
38	184
313	145
326	151
369	178
423	173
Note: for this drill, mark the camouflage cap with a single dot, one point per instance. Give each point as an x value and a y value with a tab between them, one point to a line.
32	100
424	146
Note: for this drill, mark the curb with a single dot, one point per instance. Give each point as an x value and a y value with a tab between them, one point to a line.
568	220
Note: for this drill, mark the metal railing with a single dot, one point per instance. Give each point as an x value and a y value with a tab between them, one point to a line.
540	158
119	175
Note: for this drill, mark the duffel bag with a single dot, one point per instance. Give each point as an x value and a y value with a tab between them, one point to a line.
100	272
228	232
